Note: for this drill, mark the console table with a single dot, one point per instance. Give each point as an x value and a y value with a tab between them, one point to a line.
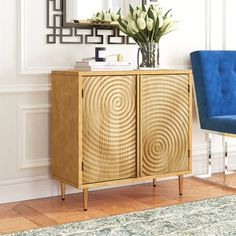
116	127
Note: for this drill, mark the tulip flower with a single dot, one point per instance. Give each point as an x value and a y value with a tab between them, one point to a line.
149	24
159	12
129	17
132	27
166	22
107	16
141	23
136	14
94	17
143	14
114	16
139	7
155	8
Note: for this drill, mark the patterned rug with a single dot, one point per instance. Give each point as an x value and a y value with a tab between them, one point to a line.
215	216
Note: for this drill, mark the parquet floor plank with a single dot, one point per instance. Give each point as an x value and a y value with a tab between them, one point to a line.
33	215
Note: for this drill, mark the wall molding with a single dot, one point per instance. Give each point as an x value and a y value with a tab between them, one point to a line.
217	12
224	23
23	111
23	68
24	180
228	25
207	24
25	88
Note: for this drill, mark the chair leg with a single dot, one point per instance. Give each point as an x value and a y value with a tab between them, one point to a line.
227	172
209	155
225	158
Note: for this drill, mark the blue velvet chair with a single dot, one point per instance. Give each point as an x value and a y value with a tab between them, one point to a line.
214	74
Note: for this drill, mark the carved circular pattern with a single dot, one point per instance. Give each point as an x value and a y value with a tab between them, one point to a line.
164	124
109	128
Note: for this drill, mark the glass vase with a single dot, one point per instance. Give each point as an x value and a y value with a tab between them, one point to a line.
149	54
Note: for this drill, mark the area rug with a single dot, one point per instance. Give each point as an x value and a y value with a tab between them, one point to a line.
215	216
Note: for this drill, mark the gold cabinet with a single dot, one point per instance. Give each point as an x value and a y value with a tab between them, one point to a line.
120	126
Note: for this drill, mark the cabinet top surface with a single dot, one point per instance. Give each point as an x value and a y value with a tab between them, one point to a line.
123	72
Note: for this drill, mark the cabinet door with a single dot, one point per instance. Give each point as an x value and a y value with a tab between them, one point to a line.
164	124
109	128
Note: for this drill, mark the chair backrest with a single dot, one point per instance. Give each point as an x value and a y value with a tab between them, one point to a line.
214	74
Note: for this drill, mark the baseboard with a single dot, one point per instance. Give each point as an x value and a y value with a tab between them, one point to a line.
29	188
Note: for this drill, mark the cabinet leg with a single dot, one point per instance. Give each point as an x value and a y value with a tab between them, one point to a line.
181	180
85	192
63	188
154	182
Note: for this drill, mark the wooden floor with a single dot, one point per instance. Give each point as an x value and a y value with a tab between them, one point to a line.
49	211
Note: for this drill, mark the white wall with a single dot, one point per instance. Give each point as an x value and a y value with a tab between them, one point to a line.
26	61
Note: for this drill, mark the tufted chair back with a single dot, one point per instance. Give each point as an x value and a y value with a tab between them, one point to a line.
214	75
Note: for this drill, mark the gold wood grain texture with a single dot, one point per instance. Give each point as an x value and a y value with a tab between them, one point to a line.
165	124
109	128
64	123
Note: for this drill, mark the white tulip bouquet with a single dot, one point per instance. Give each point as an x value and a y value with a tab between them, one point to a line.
106	16
146	24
